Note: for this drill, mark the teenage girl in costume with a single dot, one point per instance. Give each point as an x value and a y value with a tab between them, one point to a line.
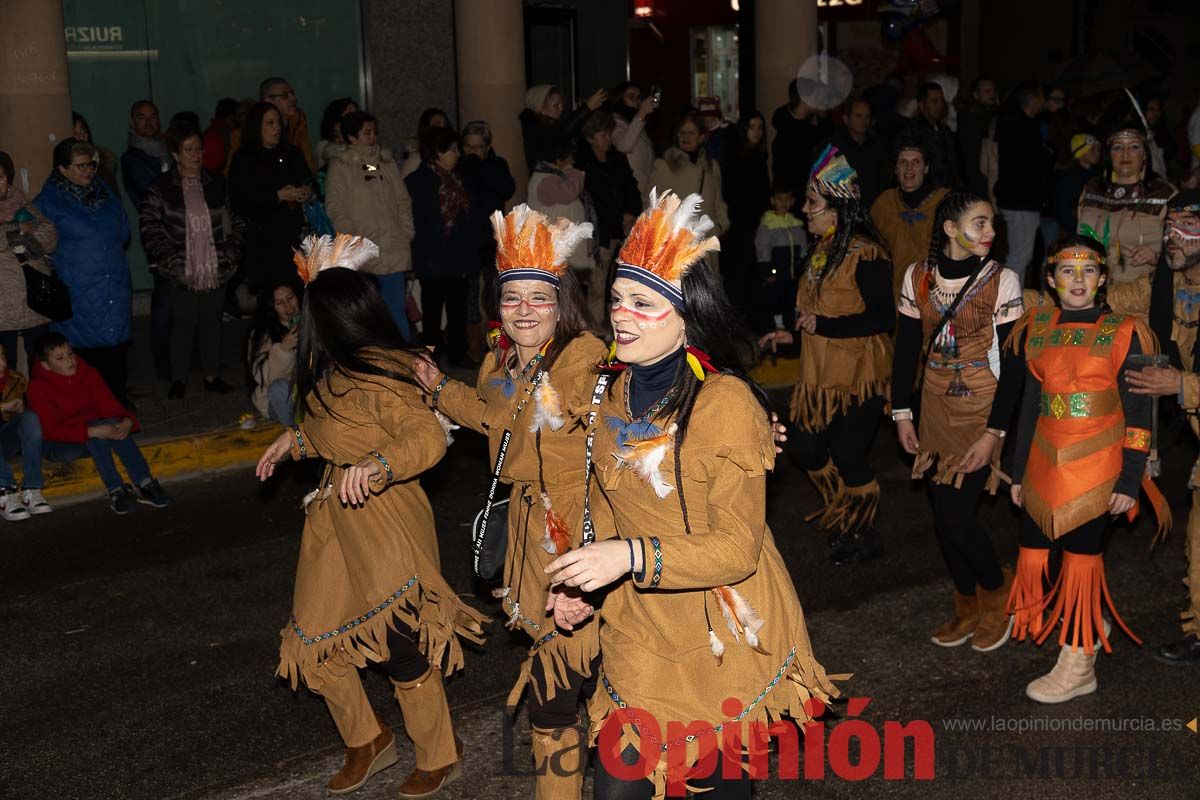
369	588
537	387
956	308
701	607
1081	450
846	310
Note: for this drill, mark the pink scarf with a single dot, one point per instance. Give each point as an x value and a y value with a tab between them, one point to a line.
200	272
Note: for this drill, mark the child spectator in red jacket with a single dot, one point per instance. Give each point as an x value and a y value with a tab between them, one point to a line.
79	414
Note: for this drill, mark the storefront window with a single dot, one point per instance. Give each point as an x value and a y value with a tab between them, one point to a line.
715	67
185	55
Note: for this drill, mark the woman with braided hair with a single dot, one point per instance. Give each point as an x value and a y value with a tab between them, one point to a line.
699	605
1080	458
846	310
956	308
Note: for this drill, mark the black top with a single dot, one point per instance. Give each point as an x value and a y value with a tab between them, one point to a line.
874	279
869	159
273	226
1138	412
917	196
944	167
1024	162
648	383
613	189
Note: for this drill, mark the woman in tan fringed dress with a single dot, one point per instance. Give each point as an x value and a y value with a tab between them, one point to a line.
538	386
369	588
846	310
707	628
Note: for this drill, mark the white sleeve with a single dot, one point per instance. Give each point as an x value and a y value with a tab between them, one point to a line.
1009	304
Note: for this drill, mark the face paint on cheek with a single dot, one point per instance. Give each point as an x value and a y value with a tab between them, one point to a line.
643	320
965	241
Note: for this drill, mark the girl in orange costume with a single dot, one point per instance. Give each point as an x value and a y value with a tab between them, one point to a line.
1082	445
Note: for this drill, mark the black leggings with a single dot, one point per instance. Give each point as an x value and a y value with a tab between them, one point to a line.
847	440
406	662
562	710
966	545
608	787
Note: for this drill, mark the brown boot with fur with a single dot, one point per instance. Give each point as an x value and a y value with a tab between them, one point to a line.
962	627
363	762
995	623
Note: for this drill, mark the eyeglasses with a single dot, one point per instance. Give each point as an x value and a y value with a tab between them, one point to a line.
288	93
86	166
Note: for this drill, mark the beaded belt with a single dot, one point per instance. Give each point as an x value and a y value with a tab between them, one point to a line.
957	365
1080	404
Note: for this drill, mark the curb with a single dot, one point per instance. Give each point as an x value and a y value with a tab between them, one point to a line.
779	374
168	458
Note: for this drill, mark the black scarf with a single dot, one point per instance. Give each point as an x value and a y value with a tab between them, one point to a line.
649	382
914	198
952	270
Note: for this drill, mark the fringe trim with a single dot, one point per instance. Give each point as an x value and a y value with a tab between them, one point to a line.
814	407
854	508
560	657
945	470
1077	596
790	700
829	486
439	621
1191	622
1027	601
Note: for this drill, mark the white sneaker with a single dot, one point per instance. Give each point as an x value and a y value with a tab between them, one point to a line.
34	502
11	507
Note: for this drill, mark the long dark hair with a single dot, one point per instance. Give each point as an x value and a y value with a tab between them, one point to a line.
1084	243
572	318
252	127
331	119
712	325
266	324
742	146
342	317
853	221
951	209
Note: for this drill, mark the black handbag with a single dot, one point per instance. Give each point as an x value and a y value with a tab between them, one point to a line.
489	531
45	294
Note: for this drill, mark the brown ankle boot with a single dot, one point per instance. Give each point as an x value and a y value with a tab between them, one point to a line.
426	784
558	757
962	626
995	623
363	762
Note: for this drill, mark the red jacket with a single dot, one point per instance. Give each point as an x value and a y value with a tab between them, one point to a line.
66	405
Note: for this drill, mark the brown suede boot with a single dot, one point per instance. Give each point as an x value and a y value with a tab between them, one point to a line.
427	721
559	763
995	623
421	783
363	762
962	626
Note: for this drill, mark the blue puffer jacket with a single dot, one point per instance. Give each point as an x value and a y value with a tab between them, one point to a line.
91	261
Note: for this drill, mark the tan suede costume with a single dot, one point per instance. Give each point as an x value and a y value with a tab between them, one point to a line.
361	568
658	656
1125	217
907	231
486	409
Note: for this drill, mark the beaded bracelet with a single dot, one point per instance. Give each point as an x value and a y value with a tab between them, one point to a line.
386	466
437	390
300	442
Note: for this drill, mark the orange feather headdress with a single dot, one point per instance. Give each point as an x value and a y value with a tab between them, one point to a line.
319	253
668	238
531	248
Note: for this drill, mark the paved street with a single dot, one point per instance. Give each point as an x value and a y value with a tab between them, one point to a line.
139	655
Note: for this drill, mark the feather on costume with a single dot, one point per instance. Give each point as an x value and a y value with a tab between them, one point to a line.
319	253
645	457
531	248
669	237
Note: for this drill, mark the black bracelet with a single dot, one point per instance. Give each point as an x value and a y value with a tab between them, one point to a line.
630	543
